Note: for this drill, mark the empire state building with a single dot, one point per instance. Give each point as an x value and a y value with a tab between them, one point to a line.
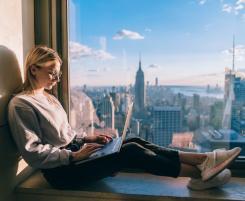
139	104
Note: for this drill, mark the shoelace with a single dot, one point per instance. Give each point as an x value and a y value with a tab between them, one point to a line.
216	152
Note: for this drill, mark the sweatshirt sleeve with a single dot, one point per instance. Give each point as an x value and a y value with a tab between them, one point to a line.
26	132
77	134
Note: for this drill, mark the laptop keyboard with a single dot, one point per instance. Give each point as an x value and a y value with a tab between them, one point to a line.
108	149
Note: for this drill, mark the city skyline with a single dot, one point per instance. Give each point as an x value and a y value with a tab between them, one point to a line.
168	118
181	42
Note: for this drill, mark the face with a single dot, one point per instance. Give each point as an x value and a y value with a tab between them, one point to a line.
43	74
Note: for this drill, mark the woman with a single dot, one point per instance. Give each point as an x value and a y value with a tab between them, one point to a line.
41	131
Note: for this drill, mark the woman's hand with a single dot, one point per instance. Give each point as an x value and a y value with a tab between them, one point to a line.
86	151
100	139
106	131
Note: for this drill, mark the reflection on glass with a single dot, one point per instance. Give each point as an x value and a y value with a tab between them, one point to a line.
174	72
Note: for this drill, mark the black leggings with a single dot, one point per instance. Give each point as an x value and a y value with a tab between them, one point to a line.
135	153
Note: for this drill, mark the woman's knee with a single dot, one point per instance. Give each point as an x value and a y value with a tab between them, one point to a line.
134	139
131	146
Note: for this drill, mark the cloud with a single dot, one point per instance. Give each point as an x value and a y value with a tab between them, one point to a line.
106	69
127	34
202	2
79	51
92	75
239	52
240	49
147	29
132	68
240	1
227	8
225	52
93	70
153	66
196	80
239	7
240	70
237	58
210	75
103	42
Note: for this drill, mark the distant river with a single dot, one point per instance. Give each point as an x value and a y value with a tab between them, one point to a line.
190	90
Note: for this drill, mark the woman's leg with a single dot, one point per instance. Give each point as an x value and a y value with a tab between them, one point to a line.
137	156
192	158
189	171
184	157
70	176
188	160
132	155
163	151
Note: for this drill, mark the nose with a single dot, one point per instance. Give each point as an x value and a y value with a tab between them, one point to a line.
56	78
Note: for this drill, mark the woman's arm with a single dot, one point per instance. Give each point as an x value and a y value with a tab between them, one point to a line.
100	139
27	134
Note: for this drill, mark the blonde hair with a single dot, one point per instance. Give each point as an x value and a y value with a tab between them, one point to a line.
38	56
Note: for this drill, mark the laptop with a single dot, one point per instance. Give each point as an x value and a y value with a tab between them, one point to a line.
114	145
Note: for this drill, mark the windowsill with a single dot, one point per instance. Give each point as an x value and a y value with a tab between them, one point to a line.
130	186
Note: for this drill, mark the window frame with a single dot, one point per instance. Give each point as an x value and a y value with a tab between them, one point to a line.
51	21
51	29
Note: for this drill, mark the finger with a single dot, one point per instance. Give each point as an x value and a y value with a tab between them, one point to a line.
99	145
107	136
86	147
101	138
93	151
89	144
102	135
96	146
92	144
89	147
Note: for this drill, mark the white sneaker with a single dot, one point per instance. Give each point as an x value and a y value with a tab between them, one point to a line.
222	178
217	161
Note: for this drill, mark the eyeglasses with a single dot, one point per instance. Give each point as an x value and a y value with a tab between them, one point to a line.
54	74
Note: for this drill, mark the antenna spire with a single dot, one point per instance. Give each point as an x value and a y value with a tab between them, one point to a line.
233	63
140	62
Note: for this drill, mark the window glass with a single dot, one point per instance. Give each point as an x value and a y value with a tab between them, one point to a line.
180	62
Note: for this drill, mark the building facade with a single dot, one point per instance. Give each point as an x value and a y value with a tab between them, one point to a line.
166	121
108	111
139	103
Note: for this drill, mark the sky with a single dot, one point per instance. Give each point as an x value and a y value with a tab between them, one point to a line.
182	42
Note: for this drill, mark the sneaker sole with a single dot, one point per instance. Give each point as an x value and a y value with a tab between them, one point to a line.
215	171
207	185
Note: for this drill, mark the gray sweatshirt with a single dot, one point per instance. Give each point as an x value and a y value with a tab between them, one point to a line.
39	129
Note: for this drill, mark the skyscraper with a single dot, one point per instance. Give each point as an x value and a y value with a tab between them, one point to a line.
119	123
196	102
238	103
115	98
216	114
126	102
135	126
139	104
166	121
108	111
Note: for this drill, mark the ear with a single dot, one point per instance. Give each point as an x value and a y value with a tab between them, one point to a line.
33	69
